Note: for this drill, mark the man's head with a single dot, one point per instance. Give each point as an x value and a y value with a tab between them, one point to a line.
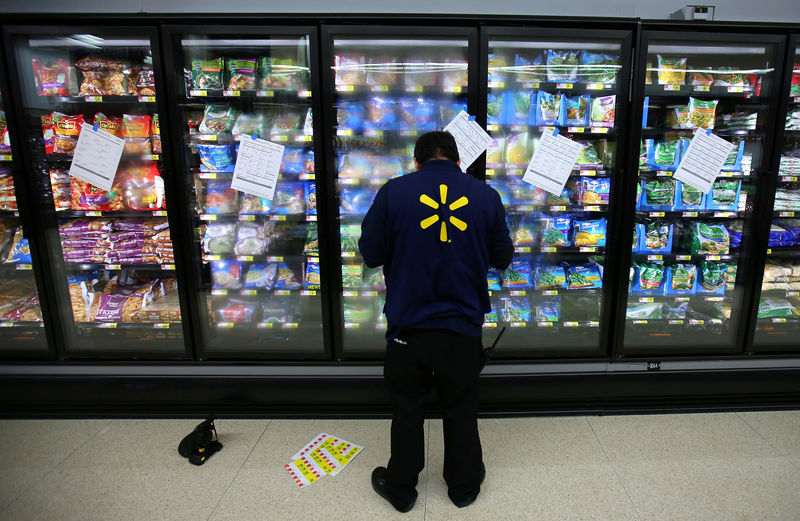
435	145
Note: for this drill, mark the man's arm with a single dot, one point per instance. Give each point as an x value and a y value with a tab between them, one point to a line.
372	243
501	247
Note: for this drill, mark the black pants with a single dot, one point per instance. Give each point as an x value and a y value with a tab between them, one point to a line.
415	360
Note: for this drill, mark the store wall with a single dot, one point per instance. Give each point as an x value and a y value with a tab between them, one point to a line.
727	10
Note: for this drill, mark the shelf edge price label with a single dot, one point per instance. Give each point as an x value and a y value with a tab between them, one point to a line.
736	89
656	214
311	218
161	325
564	85
676	322
379	88
518	324
113	266
304	94
208	137
789	178
345	88
496	84
600	130
518	293
702	88
344	132
689	214
591	208
683	257
593	323
198	93
492	127
348	254
94	99
349	293
576	130
724	214
290	325
265	93
571	324
265	325
108	325
168	267
274	259
249	292
225	325
147	99
548	249
247	217
550	292
541	324
588	173
595	86
24	267
93	213
642	322
489	324
414	88
713	257
208	217
672	87
231	93
369	293
159	213
219	291
588	249
786	214
645	299
6	324
655	257
283	292
308	293
696	322
522	249
778	320
351	325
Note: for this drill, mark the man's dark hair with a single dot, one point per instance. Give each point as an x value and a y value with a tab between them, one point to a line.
436	145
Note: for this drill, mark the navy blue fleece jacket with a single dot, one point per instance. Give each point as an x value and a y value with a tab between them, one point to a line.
436	232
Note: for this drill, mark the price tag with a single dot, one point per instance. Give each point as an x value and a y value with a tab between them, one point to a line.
265	325
290	325
96	157
683	257
348	254
94	99
793	293
207	175
168	267
213	257
552	162
655	257
219	291
778	320
274	259
595	86
24	267
249	292
724	214
558	208
713	257
518	324
369	293
470	138
409	132
159	213
640	321
645	299
345	88
492	127
5	157
283	292
306	139
207	137
571	324
786	214
198	93
662	173
277	137
591	208
414	88
351	325
564	85
588	249
490	172
716	321
600	130
702	88
682	299
6	324
147	99
373	133
306	177
576	130
208	217
349	293
93	213
550	292
455	89
161	325
672	87
696	322
265	93
245	258
311	218
496	84
247	217
789	179
593	323
225	325
736	89
689	214
344	132
308	293
714	299
588	173
531	85
304	94
113	266
676	322
518	293
489	324
657	214
548	249
257	166
522	249
108	325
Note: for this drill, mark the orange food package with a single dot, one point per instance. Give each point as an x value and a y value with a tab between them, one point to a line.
111	125
51	79
48	133
142	187
60	186
136	132
66	130
155	131
85	196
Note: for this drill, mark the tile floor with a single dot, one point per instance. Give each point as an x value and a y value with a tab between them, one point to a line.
724	466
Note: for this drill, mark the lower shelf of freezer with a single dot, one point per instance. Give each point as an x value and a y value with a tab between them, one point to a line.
668	322
543	324
263	325
16	266
255	292
545	292
127	325
228	217
519	171
114	267
5	326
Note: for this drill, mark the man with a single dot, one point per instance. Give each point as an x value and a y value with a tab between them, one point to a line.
435	232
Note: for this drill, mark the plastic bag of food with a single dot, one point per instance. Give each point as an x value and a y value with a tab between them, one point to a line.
518	151
352	276
226	274
562	65
217	119
142	187
493	278
671	70
701	113
658	194
515	309
260	276
250	204
689	197
549	109
281	72
556	230
595	190
349	69
51	79
48	133
702	76
219	238
590	233
85	196
286	278
577	110
380	114
524	234
112	125
709	238
207	74
520	107
603	111
588	155
652	310
713	277
66	131
241	73
649	279
550	277
248	124
566	198
215	158
598	68
665	156
518	275
681	279
583	276
136	132
777	308
220	197
250	239
495	112
724	195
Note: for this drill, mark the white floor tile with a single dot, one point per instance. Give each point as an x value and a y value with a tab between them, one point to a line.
780	428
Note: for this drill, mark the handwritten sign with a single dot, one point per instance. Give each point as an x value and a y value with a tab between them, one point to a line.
552	162
257	167
96	157
470	138
700	165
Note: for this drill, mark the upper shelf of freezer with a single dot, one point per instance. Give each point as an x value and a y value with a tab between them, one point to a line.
706	74
262	78
550	69
357	75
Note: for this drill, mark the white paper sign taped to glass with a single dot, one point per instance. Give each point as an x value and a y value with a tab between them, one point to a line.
700	165
470	138
96	157
552	162
257	167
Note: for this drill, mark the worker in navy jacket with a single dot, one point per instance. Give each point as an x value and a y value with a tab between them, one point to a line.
435	231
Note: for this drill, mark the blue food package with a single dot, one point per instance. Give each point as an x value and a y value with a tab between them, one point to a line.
649	278
589	233
292	162
655	237
350	116
778	235
735	233
355	200
493	279
595	190
724	195
493	316
495	114
215	158
584	276
250	204
598	67
713	277
311	197
556	230
220	197
380	114
689	198
226	274
547	309
675	311
532	71
502	189
657	195
562	65
416	114
289	198
681	279
515	309
577	110
734	161
260	276
664	155
450	109
521	192
20	252
308	161
286	278
518	107
550	277
549	109
312	279
792	227
518	275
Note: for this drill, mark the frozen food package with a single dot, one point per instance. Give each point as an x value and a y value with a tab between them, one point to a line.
354	200
102	76
732	77
588	155
530	71
51	78
702	76
416	114
708	238
48	133
383	70
598	68
590	232
419	72
248	124
219	238
777	308
671	70
577	110
226	274
547	309
549	108
310	197
155	134
702	113
216	158
349	69
583	276
495	108
281	72
352	276
241	73
237	311
286	122
497	68
250	204
349	235
217	119
136	132
66	131
651	310
556	230
289	198
518	152
520	107
260	276
713	277
518	275
145	81
207	74
681	279
595	190
524	234
112	125
454	77
515	309
724	195
286	278
562	66
142	187
250	239
85	196
658	193
220	197
20	249
380	113
650	278
603	111
493	316
495	153
550	276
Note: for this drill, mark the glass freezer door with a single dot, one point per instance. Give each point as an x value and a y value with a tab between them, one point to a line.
386	92
111	251
257	257
778	315
551	297
690	262
21	326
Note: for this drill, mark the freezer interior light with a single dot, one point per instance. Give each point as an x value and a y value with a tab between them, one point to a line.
200	41
591	46
400	43
87	40
705	49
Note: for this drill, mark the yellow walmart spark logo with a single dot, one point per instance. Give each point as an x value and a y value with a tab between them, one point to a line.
433	219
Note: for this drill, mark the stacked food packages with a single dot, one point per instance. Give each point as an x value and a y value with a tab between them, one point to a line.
5	137
19	301
141	132
278	71
98	76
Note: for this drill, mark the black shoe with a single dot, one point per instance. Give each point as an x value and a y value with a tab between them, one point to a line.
461	503
379	485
